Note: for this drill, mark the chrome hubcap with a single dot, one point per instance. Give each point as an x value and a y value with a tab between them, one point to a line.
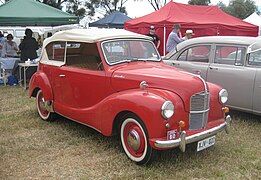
133	140
42	104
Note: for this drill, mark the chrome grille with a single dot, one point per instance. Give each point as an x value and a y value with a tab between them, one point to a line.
199	107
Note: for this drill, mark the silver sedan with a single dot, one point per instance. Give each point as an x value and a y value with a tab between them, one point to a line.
232	62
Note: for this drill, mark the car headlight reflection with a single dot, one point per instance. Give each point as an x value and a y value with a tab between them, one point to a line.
167	109
223	96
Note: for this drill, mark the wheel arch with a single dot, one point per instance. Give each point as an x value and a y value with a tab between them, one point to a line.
144	105
119	119
40	81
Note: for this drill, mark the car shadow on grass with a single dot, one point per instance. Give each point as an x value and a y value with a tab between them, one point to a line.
244	116
112	144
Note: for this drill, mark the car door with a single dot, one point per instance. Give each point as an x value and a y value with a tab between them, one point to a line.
84	83
194	59
55	52
255	63
229	72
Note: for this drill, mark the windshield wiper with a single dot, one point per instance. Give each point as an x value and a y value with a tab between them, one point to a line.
136	59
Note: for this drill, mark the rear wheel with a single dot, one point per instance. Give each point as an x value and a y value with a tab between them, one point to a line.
134	140
41	108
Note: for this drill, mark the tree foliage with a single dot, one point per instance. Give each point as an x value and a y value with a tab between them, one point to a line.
239	8
83	7
199	2
72	6
157	4
106	6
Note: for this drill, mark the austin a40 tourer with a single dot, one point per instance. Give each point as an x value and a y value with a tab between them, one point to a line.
115	82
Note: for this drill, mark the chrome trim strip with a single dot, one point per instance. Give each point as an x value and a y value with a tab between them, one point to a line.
80	122
181	142
196	112
204	82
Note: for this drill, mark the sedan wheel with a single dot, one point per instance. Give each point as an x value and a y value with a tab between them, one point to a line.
134	141
41	107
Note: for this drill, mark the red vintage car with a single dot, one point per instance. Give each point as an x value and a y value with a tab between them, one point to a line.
115	82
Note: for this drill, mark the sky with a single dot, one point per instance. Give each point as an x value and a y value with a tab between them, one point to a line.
139	8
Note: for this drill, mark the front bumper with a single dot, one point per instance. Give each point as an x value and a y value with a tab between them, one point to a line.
183	140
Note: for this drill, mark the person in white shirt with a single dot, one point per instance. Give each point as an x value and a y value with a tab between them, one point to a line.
188	35
9	48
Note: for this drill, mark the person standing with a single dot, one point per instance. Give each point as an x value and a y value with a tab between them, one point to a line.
173	38
9	48
154	36
2	40
188	35
28	46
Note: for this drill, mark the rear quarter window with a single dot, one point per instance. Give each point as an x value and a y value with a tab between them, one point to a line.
56	51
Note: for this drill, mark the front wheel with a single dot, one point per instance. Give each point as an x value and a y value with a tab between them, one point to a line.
41	108
135	142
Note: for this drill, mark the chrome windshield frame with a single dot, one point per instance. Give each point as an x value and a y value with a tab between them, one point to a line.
128	39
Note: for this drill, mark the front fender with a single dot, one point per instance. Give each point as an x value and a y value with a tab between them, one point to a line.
41	81
146	104
215	111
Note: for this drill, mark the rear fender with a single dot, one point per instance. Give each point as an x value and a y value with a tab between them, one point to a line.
40	81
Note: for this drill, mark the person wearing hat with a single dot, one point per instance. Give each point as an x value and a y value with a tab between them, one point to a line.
9	47
154	36
188	35
173	38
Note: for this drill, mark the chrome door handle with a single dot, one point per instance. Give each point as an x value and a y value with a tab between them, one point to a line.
213	68
177	64
61	75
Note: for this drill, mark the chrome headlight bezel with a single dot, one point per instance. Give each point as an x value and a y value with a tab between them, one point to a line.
167	109
223	96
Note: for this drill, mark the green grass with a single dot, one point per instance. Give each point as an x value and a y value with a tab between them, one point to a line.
32	148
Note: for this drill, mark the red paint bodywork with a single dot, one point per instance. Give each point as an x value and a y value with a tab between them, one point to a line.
95	98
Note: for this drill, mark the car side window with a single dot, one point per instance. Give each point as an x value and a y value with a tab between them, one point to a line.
55	51
196	54
230	55
83	55
255	58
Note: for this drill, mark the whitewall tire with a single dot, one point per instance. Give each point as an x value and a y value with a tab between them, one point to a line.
134	140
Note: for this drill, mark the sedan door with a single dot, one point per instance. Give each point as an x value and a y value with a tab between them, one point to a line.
194	59
255	63
229	72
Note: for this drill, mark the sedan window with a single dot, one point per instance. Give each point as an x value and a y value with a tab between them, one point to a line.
230	55
196	54
255	58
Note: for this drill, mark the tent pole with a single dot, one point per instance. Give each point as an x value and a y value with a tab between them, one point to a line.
164	40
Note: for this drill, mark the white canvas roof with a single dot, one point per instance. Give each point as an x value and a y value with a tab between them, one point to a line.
93	35
254	19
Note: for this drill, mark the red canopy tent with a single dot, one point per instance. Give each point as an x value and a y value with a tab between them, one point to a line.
203	20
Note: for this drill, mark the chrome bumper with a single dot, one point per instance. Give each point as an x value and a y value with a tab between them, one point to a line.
184	139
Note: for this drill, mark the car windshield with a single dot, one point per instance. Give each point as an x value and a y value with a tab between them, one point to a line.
129	50
255	58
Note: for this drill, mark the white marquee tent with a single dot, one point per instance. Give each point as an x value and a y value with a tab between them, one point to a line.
254	19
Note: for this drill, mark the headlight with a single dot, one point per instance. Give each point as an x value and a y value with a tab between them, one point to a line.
223	96
167	109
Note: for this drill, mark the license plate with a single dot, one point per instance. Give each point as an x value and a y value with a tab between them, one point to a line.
205	143
171	134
